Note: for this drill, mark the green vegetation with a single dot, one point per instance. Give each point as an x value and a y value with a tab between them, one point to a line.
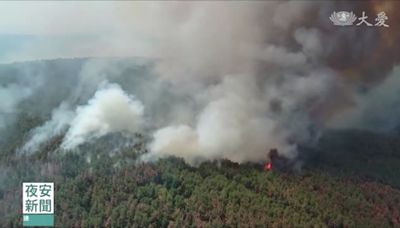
351	179
113	191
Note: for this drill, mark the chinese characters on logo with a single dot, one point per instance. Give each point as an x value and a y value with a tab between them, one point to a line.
344	18
38	203
38	198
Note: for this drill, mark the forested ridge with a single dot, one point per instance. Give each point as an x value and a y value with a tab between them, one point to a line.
350	178
219	114
115	191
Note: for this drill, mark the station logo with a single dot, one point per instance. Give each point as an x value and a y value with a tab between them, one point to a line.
344	18
38	203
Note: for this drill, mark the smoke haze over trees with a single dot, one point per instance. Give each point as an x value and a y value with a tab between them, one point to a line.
221	80
169	100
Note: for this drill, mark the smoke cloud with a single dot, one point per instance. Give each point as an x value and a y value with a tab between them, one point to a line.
110	110
376	109
227	80
264	83
57	125
11	95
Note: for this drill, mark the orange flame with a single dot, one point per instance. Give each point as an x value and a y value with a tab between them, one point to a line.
268	166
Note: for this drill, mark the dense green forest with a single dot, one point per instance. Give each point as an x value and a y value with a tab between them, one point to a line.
351	180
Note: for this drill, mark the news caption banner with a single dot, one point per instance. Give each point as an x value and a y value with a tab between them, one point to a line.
38	203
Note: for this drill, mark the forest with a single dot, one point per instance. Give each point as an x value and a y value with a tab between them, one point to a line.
340	185
348	178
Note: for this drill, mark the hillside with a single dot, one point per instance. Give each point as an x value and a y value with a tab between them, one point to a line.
347	184
200	114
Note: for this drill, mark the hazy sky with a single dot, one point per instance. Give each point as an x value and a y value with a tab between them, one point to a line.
37	30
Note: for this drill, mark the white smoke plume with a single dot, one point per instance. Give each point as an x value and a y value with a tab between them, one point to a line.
58	123
240	124
110	110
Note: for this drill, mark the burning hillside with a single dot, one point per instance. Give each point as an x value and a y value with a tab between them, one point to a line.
181	105
227	81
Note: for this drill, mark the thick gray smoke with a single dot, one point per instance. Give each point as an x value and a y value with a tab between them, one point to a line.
376	109
244	111
241	124
229	80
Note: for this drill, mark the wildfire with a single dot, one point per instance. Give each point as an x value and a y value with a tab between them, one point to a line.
268	166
